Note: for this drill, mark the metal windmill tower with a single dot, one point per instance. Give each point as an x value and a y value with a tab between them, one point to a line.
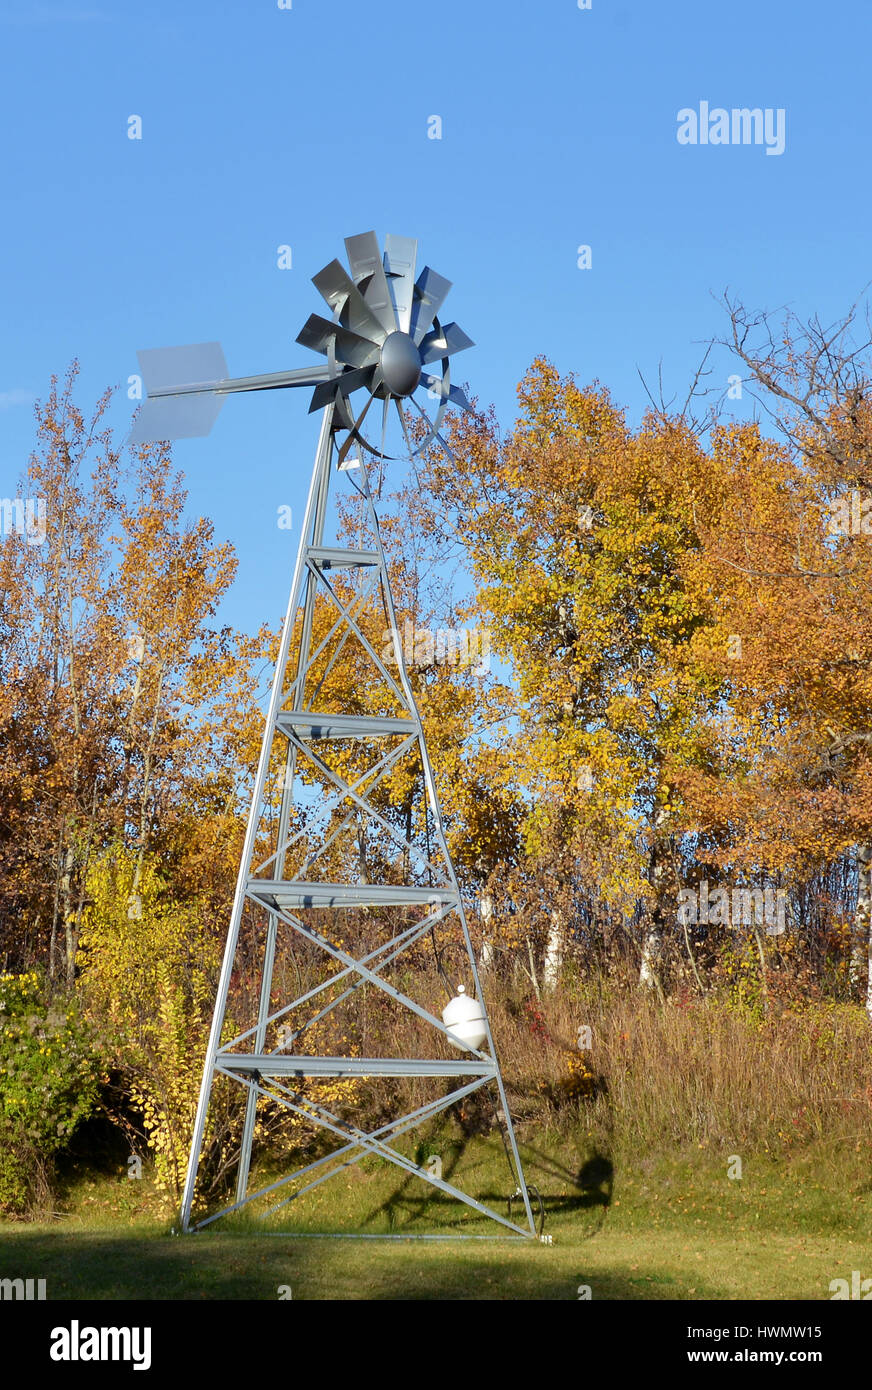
316	867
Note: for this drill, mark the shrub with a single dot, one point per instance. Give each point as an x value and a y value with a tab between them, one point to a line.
48	1085
147	964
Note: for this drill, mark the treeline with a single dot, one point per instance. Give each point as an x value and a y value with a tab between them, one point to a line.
663	777
669	752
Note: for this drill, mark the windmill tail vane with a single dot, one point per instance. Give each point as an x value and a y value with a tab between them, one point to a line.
329	867
186	387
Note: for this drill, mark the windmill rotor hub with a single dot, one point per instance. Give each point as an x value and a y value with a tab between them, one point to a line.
400	363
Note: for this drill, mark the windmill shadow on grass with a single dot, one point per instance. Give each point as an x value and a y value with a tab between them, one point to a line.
590	1184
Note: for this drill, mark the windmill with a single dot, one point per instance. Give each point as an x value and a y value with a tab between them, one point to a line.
327	862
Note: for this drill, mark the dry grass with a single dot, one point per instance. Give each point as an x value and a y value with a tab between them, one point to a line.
699	1072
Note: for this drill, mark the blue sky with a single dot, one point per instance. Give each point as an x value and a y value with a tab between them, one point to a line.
263	127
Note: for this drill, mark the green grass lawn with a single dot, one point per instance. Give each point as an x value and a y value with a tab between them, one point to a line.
670	1228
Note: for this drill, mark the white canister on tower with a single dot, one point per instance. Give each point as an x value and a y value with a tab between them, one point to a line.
464	1017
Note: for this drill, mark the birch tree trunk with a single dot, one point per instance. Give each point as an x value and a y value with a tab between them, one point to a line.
860	968
651	948
553	962
536	990
652	945
486	912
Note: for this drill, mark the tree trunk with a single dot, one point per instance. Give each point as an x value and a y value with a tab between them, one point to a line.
486	913
553	963
659	876
764	987
147	768
56	907
71	935
651	948
859	969
536	989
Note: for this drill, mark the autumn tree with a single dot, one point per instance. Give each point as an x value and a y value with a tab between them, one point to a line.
575	528
786	551
120	698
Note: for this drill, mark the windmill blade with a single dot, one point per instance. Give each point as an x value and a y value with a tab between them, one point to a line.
454	395
378	379
317	334
341	385
340	292
430	291
342	412
444	342
368	273
401	253
458	397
